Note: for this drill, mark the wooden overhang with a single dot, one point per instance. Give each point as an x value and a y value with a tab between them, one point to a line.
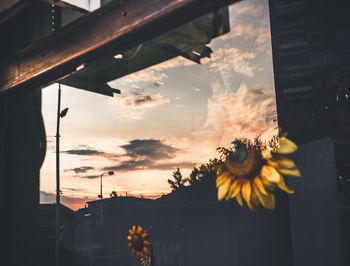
119	25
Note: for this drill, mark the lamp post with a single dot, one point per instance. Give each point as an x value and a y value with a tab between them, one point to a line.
101	196
60	114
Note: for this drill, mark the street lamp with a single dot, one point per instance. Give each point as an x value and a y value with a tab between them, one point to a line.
60	114
101	196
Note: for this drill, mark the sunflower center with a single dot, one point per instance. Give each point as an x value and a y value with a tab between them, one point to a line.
246	162
137	242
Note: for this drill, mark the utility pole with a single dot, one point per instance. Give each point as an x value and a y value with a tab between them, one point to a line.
101	199
100	196
60	114
57	233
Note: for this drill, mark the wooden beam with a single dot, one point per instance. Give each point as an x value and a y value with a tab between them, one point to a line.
14	10
119	25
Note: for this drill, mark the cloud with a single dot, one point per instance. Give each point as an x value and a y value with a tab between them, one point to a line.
72	202
154	74
231	59
145	75
252	8
151	149
90	176
250	23
136	99
134	115
138	154
247	31
178	61
157	84
82	169
247	113
46	197
85	151
132	165
148	154
72	189
241	9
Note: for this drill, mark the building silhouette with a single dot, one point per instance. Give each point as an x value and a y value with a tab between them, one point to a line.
311	57
191	226
187	227
47	235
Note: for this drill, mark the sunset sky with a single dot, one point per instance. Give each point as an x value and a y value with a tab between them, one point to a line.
174	114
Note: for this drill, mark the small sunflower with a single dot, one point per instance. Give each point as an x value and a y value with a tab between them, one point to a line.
252	170
139	242
146	261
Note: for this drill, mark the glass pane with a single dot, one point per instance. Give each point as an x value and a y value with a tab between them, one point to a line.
191	148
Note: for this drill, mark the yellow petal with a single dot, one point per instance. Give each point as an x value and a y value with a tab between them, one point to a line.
272	163
286	146
223	189
260	185
254	199
268	201
254	203
267	183
270	174
246	191
239	199
134	229
290	172
266	154
252	207
284	187
233	190
139	229
285	162
220	180
129	238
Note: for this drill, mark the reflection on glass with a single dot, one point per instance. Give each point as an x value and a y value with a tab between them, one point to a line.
205	85
182	95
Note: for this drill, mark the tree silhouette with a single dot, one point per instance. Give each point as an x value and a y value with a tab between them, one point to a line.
194	176
204	175
113	194
207	172
178	182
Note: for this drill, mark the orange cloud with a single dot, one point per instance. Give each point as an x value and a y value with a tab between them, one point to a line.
231	59
247	113
139	100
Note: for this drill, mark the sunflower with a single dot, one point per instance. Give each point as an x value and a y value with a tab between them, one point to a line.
251	170
139	242
146	261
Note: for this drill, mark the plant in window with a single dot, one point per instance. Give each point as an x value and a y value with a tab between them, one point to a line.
140	244
251	170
